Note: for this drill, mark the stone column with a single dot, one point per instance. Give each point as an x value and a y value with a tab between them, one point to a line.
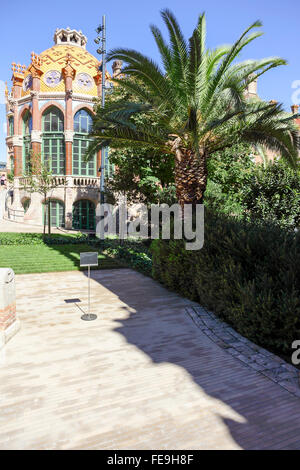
36	73
69	202
69	75
17	79
17	142
36	141
69	134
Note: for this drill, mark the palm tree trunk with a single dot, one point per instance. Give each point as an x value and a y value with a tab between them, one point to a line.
190	177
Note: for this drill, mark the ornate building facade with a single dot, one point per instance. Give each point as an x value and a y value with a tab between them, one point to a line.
49	113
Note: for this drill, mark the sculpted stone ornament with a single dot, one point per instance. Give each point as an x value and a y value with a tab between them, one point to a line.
17	141
68	71
27	84
117	67
52	78
69	94
69	135
11	104
36	136
84	80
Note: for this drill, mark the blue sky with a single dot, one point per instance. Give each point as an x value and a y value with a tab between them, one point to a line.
29	26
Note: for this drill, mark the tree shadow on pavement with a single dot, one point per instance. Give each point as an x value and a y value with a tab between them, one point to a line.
262	415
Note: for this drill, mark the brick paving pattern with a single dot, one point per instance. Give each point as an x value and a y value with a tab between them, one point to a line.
141	376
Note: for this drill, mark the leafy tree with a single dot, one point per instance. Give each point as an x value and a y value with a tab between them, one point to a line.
229	171
11	175
142	173
39	179
198	102
272	194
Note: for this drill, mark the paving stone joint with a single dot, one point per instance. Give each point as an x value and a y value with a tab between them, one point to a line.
251	355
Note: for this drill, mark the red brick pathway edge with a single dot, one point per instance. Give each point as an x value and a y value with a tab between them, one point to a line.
252	356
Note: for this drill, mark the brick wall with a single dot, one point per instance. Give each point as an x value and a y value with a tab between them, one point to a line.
7	316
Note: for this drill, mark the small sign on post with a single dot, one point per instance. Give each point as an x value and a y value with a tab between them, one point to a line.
88	259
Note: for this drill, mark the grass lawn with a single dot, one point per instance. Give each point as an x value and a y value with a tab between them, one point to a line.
44	258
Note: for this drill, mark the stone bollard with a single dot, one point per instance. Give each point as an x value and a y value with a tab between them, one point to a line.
9	324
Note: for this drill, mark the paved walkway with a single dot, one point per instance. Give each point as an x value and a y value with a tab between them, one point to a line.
12	226
142	376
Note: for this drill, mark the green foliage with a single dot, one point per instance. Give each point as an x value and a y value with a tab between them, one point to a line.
39	179
11	175
143	173
247	274
16	239
196	102
135	254
272	194
229	171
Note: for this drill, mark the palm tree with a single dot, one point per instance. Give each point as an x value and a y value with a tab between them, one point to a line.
196	104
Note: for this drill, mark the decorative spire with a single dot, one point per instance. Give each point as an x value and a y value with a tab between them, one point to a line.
71	37
36	60
117	67
18	68
68	70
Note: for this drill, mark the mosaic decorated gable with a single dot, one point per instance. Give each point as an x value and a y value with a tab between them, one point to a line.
54	60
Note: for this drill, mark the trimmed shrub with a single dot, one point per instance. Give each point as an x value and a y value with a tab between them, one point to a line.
273	194
39	239
247	274
134	253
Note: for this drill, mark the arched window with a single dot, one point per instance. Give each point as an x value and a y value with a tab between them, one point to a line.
11	125
82	127
57	213
109	167
27	128
53	149
84	214
83	122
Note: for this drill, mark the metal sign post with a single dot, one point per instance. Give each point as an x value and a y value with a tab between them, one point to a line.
89	259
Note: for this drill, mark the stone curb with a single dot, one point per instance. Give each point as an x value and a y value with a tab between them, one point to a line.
252	356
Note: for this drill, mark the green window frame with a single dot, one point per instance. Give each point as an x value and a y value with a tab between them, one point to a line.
11	125
53	120
84	215
109	168
26	151
80	166
57	213
53	143
83	122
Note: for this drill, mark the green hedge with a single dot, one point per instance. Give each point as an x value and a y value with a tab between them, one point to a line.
135	254
248	275
272	194
39	239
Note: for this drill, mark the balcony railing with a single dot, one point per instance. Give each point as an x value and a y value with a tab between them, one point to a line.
69	181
